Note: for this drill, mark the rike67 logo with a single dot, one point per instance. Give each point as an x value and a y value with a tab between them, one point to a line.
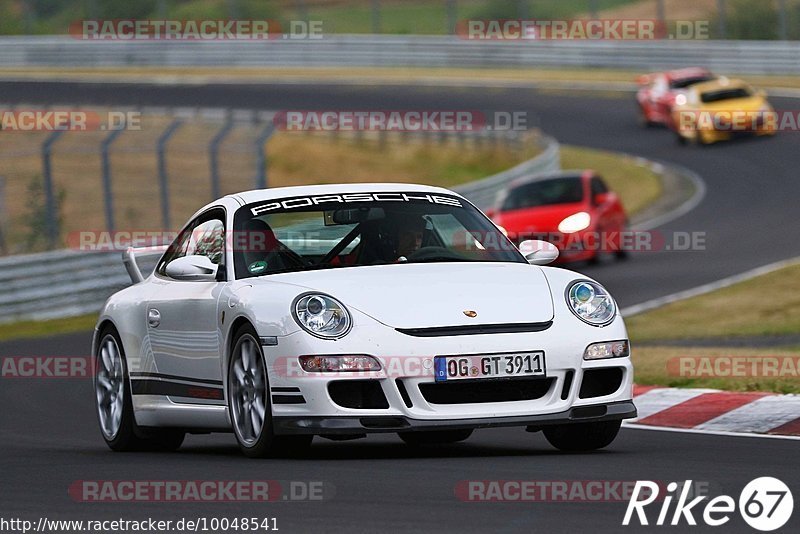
765	504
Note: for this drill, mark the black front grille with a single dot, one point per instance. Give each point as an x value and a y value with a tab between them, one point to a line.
472	330
477	391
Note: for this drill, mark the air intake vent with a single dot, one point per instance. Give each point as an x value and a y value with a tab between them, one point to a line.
474	330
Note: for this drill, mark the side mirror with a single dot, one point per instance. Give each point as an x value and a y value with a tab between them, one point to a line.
192	268
538	252
600	198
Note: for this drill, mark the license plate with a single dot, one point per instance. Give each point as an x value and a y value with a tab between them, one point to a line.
489	366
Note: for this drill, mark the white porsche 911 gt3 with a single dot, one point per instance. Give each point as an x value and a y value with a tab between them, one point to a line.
342	310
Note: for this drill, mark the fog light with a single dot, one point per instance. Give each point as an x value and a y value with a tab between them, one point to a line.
339	363
607	349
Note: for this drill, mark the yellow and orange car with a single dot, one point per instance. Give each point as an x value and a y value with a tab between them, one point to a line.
720	109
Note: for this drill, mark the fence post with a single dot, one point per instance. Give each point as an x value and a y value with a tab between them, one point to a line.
783	30
376	16
105	160
300	8
261	152
451	16
522	9
3	217
163	178
213	150
723	19
49	194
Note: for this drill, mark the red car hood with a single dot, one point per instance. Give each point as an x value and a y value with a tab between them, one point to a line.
538	219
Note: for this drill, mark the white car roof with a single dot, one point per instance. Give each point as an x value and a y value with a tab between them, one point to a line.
258	195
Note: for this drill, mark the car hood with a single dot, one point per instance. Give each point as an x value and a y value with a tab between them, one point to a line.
436	295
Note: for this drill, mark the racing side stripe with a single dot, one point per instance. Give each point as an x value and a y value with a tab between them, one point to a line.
177	377
175	389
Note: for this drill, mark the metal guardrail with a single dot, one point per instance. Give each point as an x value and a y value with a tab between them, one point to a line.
66	283
484	192
750	57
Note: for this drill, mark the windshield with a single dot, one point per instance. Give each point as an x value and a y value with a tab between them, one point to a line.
683	83
357	229
725	94
565	190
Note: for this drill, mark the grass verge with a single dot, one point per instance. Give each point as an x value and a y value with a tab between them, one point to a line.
764	306
36	329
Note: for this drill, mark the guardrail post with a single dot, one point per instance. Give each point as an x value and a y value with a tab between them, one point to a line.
163	178
49	194
105	161
213	150
261	155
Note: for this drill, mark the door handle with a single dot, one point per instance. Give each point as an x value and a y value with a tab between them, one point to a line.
153	317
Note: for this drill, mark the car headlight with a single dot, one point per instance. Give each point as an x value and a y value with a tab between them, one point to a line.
591	303
575	223
321	315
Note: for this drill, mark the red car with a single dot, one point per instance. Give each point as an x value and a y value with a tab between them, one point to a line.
657	95
574	210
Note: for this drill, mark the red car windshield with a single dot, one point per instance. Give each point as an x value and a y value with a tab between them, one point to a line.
565	190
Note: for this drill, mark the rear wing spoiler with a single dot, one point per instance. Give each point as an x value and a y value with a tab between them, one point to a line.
129	259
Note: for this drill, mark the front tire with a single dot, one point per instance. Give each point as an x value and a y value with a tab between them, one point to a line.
249	401
434	437
115	407
581	437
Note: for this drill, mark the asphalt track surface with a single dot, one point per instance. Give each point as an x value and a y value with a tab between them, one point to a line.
50	438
